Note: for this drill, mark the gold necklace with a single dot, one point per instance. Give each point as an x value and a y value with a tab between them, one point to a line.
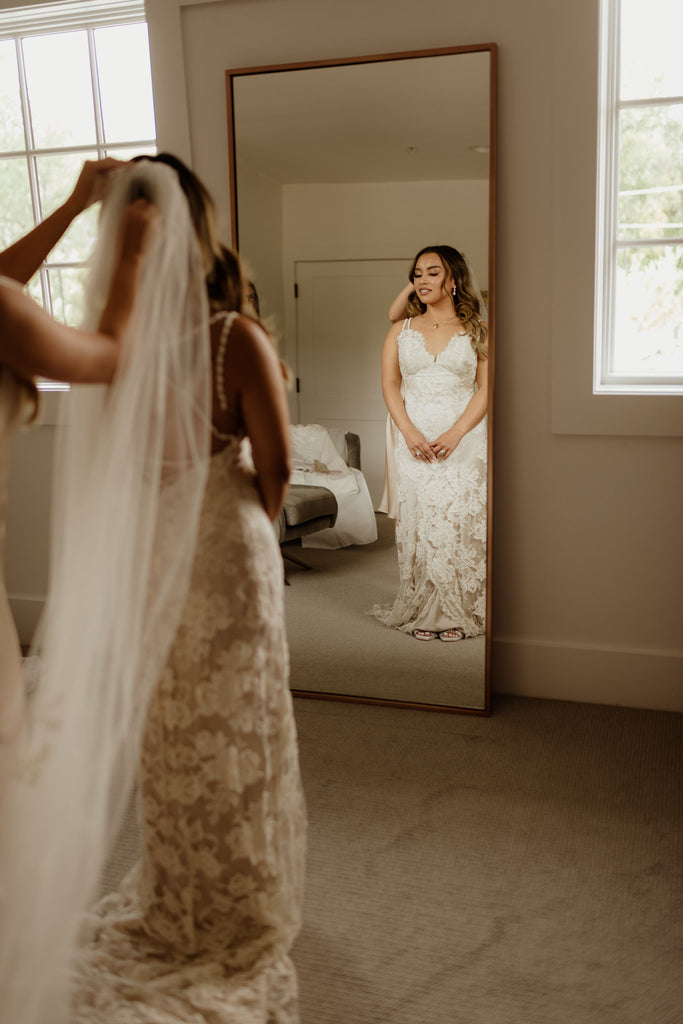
437	323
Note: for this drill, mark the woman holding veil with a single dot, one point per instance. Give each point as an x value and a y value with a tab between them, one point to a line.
33	344
434	381
169	586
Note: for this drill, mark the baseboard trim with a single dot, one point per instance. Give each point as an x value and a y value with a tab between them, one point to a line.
536	668
588	674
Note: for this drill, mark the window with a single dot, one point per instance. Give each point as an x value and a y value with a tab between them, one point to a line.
75	84
639	260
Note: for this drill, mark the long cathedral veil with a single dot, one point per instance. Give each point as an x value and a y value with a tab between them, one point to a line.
129	477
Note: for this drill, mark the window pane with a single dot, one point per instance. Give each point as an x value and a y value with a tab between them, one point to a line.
67	291
11	121
651	62
651	172
16	212
35	290
60	89
127	153
127	104
649	311
56	177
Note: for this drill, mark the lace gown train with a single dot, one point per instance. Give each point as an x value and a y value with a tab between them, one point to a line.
201	928
441	524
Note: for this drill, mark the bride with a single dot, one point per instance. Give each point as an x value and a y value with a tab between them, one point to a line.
434	381
164	657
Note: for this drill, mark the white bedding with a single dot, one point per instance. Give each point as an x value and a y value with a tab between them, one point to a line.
317	462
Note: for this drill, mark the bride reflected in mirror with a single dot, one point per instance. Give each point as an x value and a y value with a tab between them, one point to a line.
435	385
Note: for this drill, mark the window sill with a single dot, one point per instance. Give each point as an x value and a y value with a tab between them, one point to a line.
652	390
51	397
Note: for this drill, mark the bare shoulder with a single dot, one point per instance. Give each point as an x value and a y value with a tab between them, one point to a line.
249	347
243	330
395	330
22	319
248	330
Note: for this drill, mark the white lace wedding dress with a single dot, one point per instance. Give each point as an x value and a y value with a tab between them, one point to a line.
201	928
441	523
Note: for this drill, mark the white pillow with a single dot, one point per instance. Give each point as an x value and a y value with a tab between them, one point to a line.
312	442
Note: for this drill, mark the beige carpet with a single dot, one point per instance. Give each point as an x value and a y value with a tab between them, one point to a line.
518	869
337	648
522	869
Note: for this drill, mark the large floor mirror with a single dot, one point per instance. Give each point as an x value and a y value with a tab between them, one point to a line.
340	172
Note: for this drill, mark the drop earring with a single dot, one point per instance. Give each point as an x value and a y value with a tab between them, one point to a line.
455	292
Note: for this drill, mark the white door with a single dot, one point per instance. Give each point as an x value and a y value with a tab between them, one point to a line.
342	321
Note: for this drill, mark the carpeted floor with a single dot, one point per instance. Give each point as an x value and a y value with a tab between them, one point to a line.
518	869
522	869
337	648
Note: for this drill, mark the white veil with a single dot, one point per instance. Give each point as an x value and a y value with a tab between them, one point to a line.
129	479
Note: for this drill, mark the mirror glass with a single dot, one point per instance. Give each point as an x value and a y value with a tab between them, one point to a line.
340	172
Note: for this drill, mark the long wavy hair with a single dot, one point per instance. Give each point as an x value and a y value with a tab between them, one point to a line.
224	282
466	304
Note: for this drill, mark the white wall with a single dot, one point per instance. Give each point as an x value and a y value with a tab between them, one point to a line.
587	581
261	238
359	222
386	220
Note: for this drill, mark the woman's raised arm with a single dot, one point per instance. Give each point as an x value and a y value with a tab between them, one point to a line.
22	259
398	308
34	344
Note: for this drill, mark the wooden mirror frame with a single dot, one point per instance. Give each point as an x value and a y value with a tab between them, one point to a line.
491	48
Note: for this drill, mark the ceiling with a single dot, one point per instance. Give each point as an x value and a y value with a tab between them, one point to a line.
393	120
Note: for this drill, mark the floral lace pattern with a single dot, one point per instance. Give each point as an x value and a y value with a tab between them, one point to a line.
441	525
201	928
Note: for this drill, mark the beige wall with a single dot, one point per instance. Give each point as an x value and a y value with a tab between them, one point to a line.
261	239
587	581
358	221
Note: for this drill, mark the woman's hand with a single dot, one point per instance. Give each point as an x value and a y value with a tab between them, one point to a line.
92	183
445	444
473	414
22	259
419	447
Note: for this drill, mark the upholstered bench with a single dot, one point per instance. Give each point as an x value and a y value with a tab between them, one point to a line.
308	509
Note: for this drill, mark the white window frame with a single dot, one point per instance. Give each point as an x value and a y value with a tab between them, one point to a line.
44	19
605	380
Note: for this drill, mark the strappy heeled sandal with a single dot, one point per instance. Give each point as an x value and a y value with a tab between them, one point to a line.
451	635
